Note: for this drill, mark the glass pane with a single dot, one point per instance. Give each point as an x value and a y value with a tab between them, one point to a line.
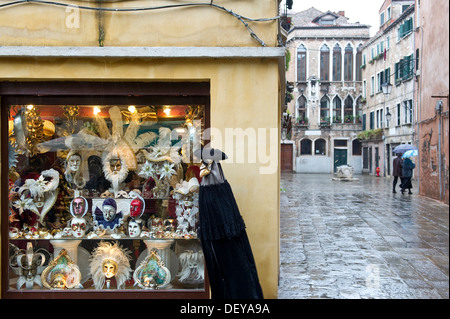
104	197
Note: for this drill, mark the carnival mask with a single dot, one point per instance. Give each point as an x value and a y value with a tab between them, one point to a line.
116	165
39	200
109	268
109	212
74	163
78	206
134	230
136	208
78	227
58	282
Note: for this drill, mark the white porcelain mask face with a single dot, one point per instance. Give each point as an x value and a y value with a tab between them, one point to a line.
109	212
74	163
78	226
133	229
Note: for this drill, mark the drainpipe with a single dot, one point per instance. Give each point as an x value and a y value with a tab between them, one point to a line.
439	112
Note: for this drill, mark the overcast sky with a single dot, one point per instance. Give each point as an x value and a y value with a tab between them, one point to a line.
362	11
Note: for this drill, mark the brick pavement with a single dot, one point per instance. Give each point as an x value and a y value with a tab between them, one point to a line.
357	240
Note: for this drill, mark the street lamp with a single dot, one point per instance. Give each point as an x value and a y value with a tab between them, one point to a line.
388	116
387	88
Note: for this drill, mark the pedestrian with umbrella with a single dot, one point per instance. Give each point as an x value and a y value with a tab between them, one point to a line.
397	170
407	170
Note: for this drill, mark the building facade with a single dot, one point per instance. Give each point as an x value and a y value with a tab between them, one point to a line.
105	53
432	97
389	57
327	99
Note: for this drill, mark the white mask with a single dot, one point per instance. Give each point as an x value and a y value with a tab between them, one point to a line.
133	229
78	226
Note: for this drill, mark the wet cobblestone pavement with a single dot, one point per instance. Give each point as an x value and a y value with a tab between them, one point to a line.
358	240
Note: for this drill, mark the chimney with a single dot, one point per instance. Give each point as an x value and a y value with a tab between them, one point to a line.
341	13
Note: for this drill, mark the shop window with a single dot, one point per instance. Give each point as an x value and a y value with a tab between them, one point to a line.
103	196
305	147
320	147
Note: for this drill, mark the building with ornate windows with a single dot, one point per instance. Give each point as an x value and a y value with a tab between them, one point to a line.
326	109
388	58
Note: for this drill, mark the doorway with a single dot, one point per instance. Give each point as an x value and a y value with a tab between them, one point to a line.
340	157
286	157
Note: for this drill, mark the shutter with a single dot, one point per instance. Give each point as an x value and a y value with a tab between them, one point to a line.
396	72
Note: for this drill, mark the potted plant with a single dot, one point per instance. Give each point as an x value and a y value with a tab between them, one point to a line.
324	121
302	121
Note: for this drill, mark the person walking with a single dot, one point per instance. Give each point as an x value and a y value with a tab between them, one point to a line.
397	170
407	172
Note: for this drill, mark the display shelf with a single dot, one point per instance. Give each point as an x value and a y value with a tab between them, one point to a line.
103	205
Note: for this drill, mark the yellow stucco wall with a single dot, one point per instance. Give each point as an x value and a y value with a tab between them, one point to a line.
187	26
245	93
236	102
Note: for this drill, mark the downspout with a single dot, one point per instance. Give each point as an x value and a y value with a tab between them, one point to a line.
439	112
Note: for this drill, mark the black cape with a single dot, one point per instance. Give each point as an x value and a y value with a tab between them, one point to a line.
228	255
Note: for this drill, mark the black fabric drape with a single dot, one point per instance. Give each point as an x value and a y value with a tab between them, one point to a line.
228	255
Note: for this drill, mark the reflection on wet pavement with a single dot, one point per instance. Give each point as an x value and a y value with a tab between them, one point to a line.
356	239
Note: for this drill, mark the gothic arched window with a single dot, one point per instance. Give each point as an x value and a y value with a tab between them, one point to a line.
325	63
337	63
301	63
348	63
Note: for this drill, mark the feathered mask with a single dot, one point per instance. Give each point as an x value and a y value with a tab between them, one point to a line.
113	254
